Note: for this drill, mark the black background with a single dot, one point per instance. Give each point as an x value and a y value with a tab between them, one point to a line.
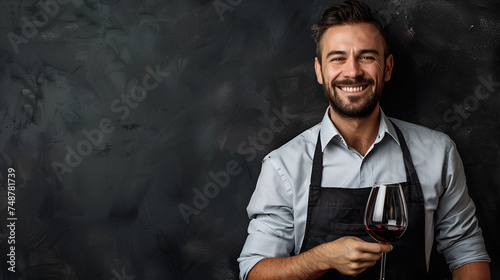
237	71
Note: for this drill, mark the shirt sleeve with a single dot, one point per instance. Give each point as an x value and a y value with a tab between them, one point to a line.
458	234
271	230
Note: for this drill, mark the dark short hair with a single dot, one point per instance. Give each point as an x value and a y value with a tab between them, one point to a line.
350	12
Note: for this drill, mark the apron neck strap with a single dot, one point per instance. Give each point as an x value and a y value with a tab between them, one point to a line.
317	168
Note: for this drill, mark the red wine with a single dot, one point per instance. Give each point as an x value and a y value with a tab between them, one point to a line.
385	233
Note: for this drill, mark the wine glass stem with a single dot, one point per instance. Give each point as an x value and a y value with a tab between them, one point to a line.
382	269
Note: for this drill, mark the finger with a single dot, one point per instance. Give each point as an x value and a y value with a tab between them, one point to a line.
359	257
374	247
369	257
356	268
360	266
368	264
385	248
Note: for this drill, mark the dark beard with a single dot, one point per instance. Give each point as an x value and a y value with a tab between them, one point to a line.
347	111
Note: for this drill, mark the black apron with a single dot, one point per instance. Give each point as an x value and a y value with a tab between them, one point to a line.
336	212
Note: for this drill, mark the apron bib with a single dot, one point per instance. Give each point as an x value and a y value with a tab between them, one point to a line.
336	212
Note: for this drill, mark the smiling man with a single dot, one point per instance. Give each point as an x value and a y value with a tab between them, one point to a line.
307	209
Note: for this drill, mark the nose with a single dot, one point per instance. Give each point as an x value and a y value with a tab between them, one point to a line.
352	69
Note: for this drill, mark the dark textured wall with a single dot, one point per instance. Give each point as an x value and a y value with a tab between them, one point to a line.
136	128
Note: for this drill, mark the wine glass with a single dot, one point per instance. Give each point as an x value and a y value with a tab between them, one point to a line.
386	216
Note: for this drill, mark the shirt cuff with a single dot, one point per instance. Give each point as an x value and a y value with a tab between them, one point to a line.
467	251
259	246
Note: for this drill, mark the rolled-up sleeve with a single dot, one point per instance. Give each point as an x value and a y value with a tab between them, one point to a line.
458	234
271	231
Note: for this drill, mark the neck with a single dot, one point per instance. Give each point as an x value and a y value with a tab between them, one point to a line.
359	133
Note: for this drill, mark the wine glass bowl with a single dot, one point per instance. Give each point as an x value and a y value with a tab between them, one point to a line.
386	215
385	234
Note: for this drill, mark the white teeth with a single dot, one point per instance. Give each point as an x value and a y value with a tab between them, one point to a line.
352	89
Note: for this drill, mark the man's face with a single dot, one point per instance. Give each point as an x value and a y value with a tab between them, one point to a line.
353	69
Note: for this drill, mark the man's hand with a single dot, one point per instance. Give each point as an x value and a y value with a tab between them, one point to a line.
348	255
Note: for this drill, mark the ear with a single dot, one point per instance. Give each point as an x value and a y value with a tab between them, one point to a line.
317	68
389	64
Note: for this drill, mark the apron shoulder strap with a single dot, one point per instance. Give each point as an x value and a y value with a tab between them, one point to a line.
317	168
411	174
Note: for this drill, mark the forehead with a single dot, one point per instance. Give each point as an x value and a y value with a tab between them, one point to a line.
352	37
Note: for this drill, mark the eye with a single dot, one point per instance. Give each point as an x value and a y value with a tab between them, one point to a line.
367	58
337	59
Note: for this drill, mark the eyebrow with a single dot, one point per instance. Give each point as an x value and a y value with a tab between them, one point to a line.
363	51
374	51
334	53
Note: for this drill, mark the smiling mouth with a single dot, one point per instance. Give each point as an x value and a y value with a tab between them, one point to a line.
353	89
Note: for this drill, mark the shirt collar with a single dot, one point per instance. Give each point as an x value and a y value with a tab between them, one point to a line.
329	131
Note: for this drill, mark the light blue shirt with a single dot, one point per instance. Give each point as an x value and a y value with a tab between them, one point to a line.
278	207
